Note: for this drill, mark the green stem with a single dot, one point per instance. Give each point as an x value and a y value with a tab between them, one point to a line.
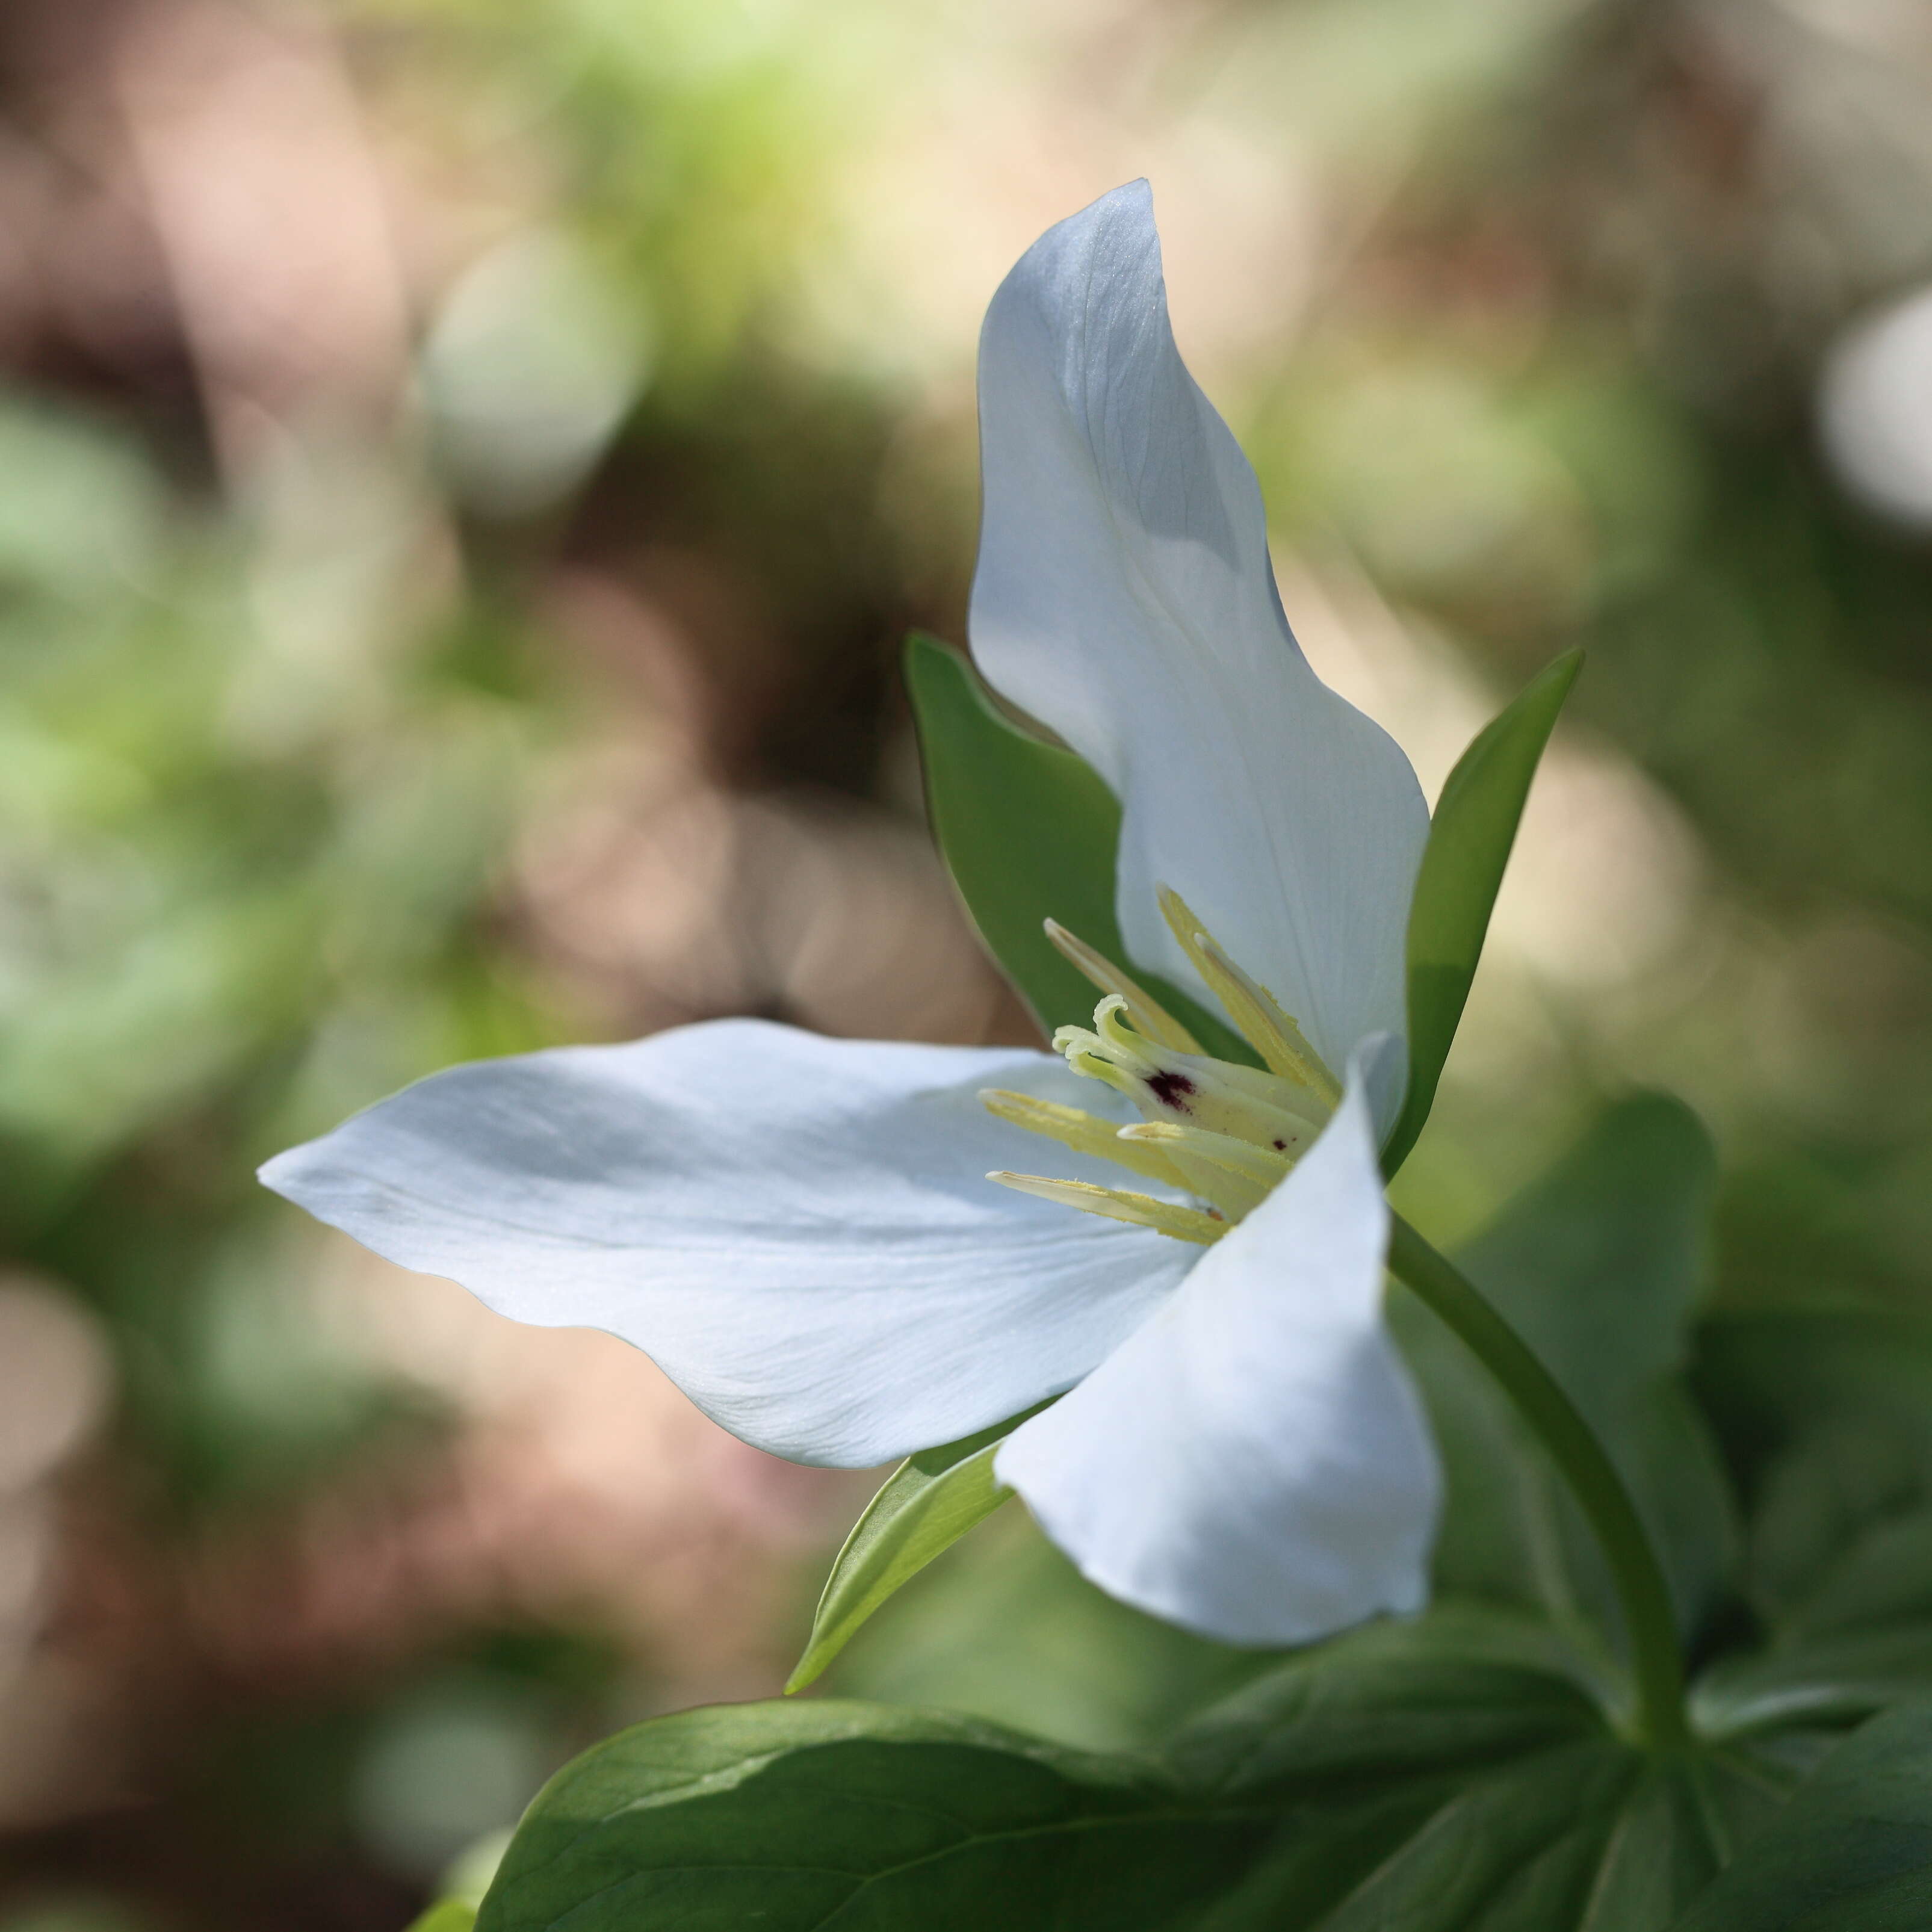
1592	1477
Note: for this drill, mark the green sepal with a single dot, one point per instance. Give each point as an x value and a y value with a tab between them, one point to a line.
1469	842
447	1915
1029	832
925	1506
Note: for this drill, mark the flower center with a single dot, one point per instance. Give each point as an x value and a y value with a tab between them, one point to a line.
1220	1132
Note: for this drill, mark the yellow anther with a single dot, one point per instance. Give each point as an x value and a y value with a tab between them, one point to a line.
1264	1166
1230	1194
1084	1132
1149	1018
1274	1035
1116	1203
1235	1174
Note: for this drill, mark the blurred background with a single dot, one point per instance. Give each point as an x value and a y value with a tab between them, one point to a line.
466	467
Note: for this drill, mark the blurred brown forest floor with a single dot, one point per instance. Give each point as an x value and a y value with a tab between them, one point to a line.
465	469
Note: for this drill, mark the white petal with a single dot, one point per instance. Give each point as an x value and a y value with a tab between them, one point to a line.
1124	597
1254	1463
797	1230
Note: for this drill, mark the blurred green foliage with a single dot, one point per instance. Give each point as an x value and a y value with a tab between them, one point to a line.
214	933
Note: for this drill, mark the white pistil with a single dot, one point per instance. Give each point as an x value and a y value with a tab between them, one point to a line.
1112	1051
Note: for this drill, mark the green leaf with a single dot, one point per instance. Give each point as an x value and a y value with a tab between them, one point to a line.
927	1504
1433	1776
1460	1687
1827	1416
1453	1772
786	1815
1599	1267
1436	1775
1029	832
1851	1853
1469	841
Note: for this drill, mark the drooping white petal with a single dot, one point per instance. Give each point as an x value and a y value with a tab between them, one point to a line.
1124	597
1254	1463
797	1230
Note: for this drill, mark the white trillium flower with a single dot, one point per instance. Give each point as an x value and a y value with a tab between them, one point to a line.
801	1232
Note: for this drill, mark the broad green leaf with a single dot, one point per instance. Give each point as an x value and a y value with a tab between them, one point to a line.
1460	1687
1436	1775
448	1915
1851	1853
1525	1847
1469	841
1599	1266
1431	1776
1455	1772
927	1504
790	1815
1029	832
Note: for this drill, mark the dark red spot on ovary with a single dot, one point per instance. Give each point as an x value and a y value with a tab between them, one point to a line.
1281	1147
1171	1090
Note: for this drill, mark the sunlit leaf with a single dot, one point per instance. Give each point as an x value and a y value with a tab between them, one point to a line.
1469	842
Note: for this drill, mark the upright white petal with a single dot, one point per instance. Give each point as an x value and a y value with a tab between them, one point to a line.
1254	1463
1124	597
798	1231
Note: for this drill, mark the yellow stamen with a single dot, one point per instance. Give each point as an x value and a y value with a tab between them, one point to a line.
1084	1132
1273	1034
1263	1166
1149	1018
1116	1203
1230	1194
1236	1175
